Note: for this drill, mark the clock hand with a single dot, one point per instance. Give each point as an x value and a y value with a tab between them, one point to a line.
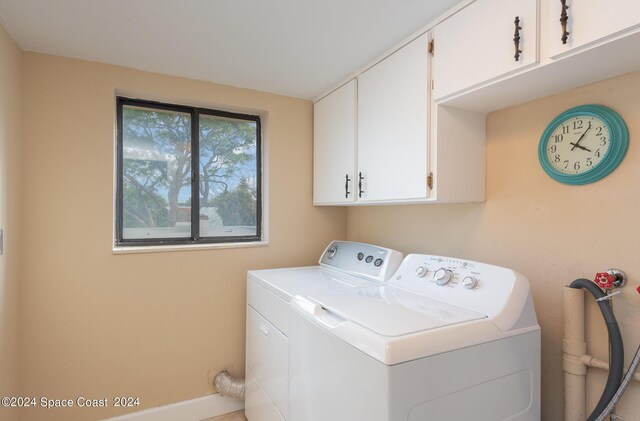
581	137
581	147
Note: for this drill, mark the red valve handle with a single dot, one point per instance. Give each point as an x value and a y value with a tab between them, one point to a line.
604	280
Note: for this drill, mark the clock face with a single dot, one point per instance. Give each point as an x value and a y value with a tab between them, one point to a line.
578	144
583	144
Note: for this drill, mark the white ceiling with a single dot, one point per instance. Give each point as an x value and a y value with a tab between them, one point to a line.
292	47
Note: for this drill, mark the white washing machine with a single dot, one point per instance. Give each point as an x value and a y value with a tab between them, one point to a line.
343	267
443	339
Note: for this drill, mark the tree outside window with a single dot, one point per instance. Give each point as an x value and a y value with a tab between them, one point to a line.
159	145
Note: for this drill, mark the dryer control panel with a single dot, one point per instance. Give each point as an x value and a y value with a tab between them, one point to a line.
481	287
362	260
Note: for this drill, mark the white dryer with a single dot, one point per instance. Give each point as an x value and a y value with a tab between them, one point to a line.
443	339
343	267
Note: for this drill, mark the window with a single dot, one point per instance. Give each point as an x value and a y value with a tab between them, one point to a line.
186	175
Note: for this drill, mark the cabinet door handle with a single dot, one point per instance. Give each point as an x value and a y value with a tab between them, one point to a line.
564	18
346	186
360	178
516	38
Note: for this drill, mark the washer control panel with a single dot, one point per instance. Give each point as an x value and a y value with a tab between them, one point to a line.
360	259
477	286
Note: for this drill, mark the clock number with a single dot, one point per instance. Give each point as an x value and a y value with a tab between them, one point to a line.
603	141
558	138
598	131
553	148
556	158
589	162
577	124
566	164
565	129
576	166
597	153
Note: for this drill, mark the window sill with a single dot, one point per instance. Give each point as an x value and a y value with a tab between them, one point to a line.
186	247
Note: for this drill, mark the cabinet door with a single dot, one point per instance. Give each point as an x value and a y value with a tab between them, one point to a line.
334	136
588	21
392	125
477	44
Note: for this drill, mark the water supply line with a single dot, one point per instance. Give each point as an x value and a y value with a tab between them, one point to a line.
227	385
631	373
616	369
575	357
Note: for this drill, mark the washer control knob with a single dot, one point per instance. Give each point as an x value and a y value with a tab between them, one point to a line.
378	262
369	259
421	271
332	251
360	256
469	282
442	276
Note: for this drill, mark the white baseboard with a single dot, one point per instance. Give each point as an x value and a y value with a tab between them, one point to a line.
192	410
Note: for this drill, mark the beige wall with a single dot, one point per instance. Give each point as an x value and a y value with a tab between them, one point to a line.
550	232
151	325
10	103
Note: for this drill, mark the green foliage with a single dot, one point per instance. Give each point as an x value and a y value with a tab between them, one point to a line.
144	209
157	166
225	147
237	207
158	159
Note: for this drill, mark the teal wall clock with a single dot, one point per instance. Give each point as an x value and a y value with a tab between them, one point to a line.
583	144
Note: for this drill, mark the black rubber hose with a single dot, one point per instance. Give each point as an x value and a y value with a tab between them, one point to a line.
616	367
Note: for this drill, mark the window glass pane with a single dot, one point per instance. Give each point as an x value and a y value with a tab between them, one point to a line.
228	177
156	194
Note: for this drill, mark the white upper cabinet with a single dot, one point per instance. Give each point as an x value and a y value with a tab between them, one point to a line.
480	43
334	133
378	140
587	22
411	128
393	115
563	43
